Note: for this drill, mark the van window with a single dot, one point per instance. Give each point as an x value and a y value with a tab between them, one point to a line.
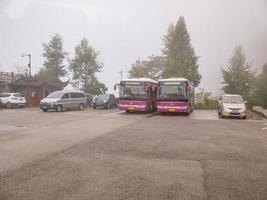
65	96
75	95
82	95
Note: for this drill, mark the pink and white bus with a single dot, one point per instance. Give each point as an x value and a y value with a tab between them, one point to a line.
175	95
138	95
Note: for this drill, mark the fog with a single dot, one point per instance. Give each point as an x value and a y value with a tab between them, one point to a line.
123	31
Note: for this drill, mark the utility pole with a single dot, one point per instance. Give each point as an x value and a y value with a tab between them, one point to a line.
121	72
30	60
246	84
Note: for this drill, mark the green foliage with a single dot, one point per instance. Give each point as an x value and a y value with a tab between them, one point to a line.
262	84
151	68
181	60
54	56
83	66
95	87
238	76
206	101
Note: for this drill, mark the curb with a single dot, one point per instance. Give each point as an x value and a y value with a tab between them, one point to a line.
259	112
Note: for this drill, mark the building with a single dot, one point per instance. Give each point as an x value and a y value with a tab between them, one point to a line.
5	79
33	88
36	88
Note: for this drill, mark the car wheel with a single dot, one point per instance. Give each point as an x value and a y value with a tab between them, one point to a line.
220	114
245	117
8	105
81	106
45	110
59	108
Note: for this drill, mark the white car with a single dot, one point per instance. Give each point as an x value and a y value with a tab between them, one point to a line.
10	100
232	105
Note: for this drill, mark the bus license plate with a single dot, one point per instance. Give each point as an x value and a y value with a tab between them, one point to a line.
131	108
171	110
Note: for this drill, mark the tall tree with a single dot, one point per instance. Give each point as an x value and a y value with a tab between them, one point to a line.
83	66
181	60
151	68
238	77
263	86
54	56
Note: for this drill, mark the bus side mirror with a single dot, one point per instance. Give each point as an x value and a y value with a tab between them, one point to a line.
189	89
145	87
153	88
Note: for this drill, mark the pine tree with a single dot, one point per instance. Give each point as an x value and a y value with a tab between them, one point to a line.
238	77
181	60
54	56
83	66
263	86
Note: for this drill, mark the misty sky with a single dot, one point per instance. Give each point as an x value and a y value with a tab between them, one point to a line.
124	30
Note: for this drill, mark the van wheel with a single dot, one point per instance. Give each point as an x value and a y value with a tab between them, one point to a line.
59	108
81	106
8	105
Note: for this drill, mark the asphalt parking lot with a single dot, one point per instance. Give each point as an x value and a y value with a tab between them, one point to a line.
108	154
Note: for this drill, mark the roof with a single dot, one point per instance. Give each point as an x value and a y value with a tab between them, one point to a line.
38	81
149	80
173	79
232	95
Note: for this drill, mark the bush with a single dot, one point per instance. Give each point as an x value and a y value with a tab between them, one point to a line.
206	102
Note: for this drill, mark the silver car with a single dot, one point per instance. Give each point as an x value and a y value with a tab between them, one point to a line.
232	105
60	100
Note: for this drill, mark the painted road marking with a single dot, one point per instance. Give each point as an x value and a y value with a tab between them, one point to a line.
265	128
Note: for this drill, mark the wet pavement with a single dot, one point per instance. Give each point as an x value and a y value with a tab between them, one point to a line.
100	154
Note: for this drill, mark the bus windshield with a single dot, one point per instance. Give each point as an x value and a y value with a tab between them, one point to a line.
133	92
172	92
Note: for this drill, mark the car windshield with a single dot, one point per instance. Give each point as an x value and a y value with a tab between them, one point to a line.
172	92
102	96
232	99
55	95
18	95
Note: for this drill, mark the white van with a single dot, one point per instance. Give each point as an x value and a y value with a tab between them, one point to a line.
60	100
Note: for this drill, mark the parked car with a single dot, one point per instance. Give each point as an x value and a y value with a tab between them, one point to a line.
89	100
10	100
232	105
60	100
105	101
